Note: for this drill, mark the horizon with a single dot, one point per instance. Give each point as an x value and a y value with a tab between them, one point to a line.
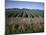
22	8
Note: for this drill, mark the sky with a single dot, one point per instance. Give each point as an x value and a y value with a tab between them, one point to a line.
22	4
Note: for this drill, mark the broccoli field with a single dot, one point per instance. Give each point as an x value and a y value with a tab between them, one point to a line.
24	20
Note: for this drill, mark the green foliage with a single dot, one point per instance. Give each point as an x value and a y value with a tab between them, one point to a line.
24	12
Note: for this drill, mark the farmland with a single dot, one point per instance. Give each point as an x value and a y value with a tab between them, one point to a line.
24	12
24	20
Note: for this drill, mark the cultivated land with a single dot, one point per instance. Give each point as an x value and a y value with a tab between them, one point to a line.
24	20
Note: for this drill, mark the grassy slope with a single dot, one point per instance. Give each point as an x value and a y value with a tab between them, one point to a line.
23	24
20	21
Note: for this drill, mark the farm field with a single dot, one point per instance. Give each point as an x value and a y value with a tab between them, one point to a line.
15	12
24	21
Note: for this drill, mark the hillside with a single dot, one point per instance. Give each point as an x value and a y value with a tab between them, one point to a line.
24	21
24	12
